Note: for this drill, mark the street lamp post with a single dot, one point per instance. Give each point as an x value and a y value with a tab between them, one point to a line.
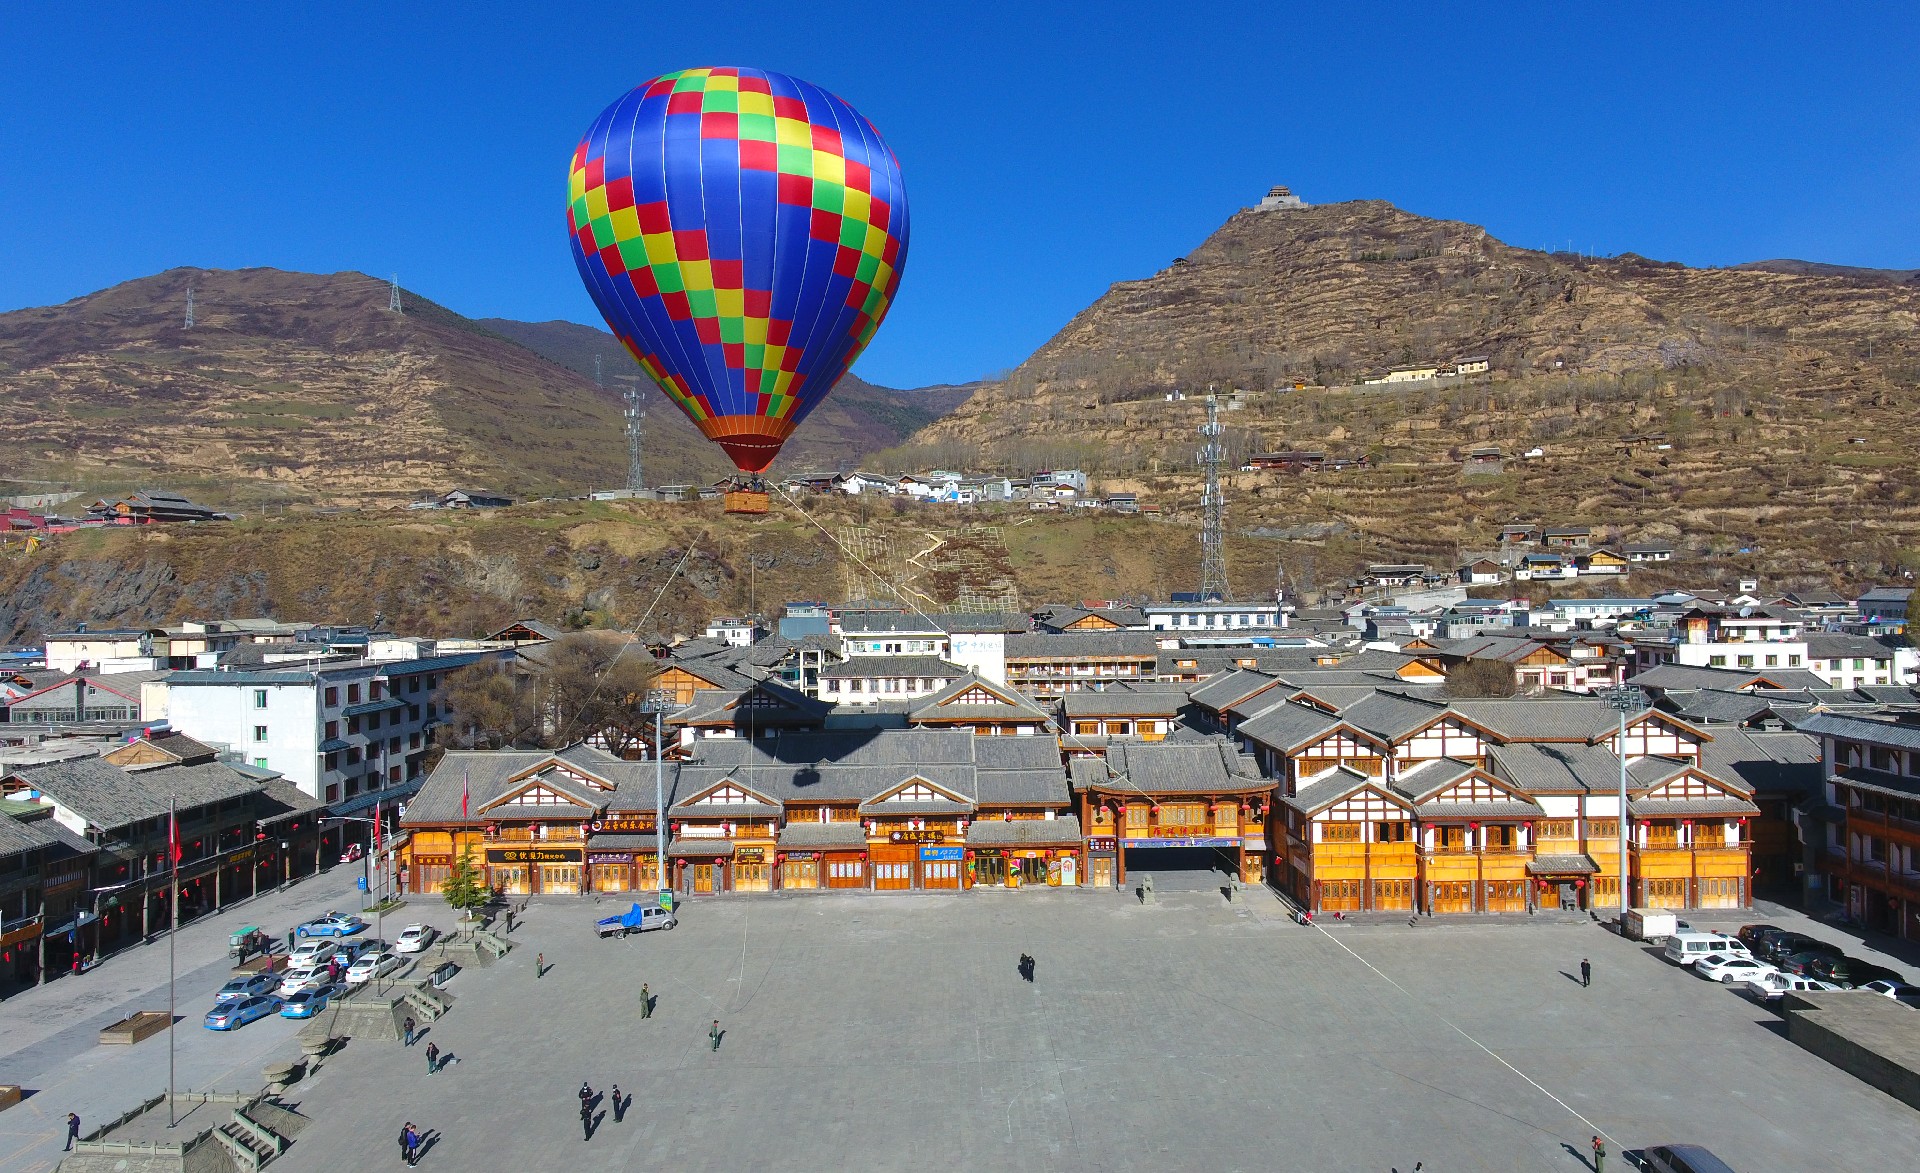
1623	699
659	700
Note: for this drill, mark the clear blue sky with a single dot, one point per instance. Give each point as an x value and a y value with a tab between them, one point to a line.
1046	155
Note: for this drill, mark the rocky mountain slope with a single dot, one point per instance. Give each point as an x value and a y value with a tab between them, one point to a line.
299	388
1727	408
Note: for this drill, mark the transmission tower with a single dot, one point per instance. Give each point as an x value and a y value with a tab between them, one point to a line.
1213	548
393	295
598	379
189	307
636	429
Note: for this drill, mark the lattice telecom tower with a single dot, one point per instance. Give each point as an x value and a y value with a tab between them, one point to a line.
636	428
189	307
598	379
393	295
1213	505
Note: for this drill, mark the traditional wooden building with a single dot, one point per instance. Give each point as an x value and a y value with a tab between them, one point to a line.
1054	665
1147	712
983	708
1201	800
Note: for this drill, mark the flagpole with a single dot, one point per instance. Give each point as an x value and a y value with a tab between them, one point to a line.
173	932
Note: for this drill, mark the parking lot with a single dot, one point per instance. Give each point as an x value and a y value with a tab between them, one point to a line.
887	1032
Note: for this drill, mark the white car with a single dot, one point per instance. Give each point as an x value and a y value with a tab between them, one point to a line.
1770	987
372	966
1898	991
414	939
303	977
1729	968
311	951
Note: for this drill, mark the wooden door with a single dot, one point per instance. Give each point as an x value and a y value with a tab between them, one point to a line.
801	873
1393	895
1719	892
1506	896
892	875
703	878
847	872
1451	896
941	873
1340	896
1102	869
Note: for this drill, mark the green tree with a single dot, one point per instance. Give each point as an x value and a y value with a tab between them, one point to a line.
463	887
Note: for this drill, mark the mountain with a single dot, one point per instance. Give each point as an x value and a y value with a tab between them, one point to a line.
859	418
1822	269
302	388
1779	403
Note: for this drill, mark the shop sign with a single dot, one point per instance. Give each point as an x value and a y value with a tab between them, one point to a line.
623	826
1102	843
533	855
926	836
1196	841
603	857
241	856
750	854
940	852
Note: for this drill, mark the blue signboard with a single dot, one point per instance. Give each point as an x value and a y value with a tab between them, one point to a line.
941	852
1195	842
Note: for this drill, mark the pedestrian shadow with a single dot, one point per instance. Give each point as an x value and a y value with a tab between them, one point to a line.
1577	1155
428	1139
595	1101
593	1124
1572	977
420	1033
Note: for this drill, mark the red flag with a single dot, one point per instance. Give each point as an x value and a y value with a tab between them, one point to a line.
466	790
376	828
173	837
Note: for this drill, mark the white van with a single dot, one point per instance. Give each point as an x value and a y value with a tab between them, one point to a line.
1685	948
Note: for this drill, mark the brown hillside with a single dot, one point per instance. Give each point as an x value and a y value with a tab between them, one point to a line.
304	388
1757	380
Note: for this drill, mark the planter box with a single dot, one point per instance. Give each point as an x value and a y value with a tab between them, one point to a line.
143	1024
264	963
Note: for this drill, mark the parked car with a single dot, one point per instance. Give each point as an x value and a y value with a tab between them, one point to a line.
305	977
246	986
332	924
1682	1158
1838	970
1685	948
1771	987
638	919
1865	971
1803	963
1726	968
346	952
372	966
241	1011
1897	990
414	938
1755	937
308	1002
1787	944
311	951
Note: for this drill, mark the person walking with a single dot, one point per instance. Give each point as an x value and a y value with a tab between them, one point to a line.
412	1139
646	1002
586	1113
73	1130
509	920
1599	1155
713	1034
619	1109
1586	972
433	1058
539	965
407	1028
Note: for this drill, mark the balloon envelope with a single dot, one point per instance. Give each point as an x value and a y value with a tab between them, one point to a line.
743	234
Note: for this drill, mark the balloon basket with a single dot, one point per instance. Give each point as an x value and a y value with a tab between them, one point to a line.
750	501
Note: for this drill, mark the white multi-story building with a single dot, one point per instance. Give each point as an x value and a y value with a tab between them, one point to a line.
738	633
1213	616
1750	637
337	728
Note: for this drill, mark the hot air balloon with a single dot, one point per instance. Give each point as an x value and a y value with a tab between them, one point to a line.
743	234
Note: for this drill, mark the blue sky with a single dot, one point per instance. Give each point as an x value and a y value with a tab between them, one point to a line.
1048	150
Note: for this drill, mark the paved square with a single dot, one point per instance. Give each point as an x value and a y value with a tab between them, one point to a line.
892	1032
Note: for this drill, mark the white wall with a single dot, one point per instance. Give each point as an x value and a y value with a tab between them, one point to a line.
226	713
984	652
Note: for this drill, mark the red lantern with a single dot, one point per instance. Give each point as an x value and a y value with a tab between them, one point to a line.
780	857
1473	826
1579	883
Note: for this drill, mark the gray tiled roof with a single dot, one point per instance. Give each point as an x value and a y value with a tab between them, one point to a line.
486	773
1082	644
1222	689
818	836
1496	809
869	667
1825	646
1667	676
1392	714
940	706
724	707
1288	725
107	796
1556	767
1665	808
1024	832
723	810
1876	730
1879	782
1543	865
1765	763
1716	706
930	806
1334	786
1126	701
1429	777
1175	767
17	837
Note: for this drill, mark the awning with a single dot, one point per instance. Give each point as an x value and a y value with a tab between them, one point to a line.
1562	865
365	802
379	706
700	847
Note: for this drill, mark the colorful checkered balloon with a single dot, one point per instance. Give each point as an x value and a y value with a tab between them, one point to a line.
743	234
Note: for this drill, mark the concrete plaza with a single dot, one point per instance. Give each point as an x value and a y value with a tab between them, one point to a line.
870	1031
